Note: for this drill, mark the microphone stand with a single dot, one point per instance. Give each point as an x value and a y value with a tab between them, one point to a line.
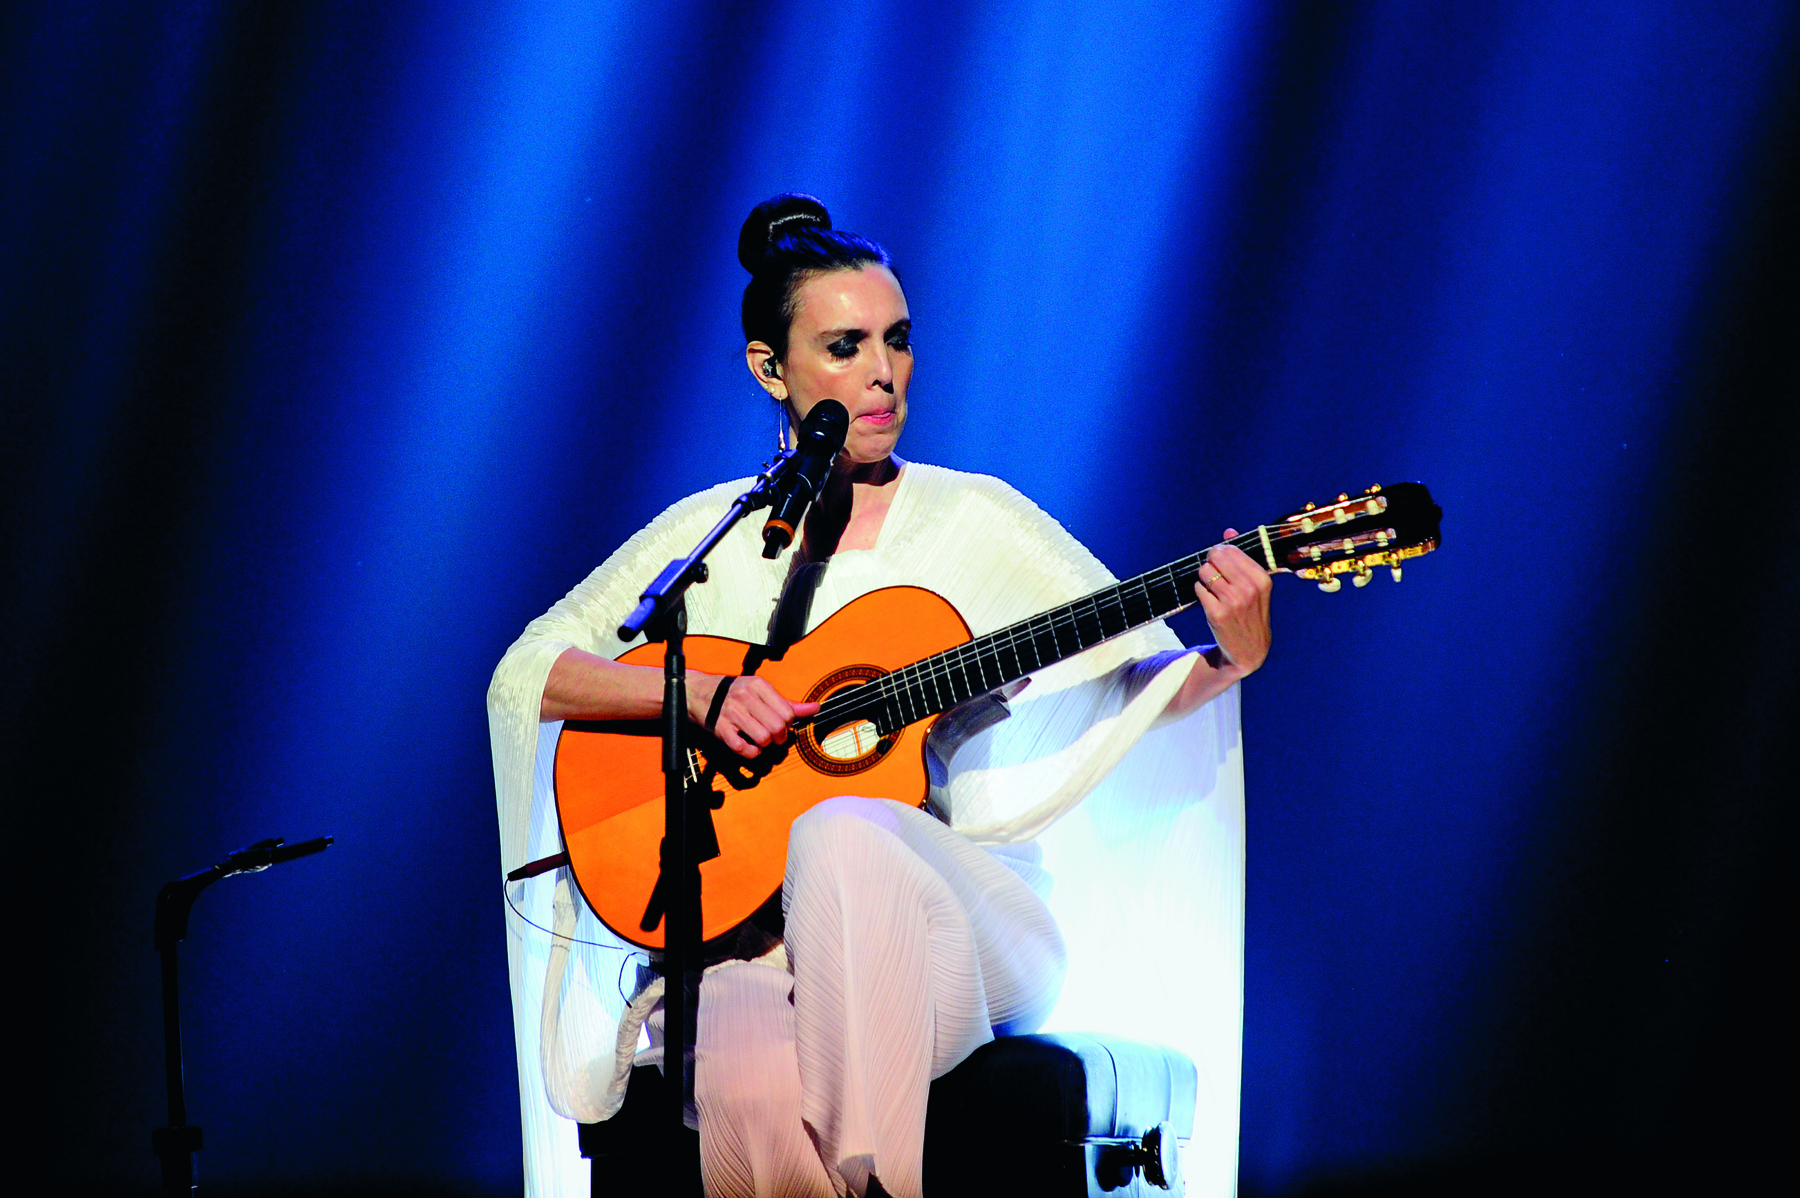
177	1143
688	835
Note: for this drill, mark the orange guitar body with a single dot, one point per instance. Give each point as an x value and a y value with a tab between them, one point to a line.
609	780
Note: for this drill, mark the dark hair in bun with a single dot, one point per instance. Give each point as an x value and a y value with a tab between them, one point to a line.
785	240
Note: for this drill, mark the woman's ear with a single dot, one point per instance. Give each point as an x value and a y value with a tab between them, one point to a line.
766	369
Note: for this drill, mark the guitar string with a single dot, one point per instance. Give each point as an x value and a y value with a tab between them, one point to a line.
968	659
928	679
857	700
959	668
860	702
1035	626
958	660
971	659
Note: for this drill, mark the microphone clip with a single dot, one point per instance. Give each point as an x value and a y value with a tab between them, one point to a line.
800	473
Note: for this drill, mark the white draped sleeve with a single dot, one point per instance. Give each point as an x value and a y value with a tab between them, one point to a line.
1139	830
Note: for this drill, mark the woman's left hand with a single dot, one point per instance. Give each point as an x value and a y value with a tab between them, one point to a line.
1234	591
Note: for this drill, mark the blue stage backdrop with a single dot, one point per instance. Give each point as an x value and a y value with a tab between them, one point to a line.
341	339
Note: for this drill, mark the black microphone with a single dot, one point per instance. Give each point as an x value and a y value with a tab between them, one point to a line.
803	473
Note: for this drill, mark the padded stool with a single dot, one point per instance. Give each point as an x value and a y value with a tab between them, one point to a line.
1062	1116
1065	1114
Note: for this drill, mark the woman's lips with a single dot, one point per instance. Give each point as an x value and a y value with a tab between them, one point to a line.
882	418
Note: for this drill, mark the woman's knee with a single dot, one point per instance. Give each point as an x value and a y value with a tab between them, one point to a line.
841	820
836	849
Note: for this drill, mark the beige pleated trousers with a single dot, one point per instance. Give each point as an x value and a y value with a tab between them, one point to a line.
909	946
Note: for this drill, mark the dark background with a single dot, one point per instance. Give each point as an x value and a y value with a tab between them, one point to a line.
340	340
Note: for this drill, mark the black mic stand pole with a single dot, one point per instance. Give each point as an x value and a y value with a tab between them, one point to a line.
688	837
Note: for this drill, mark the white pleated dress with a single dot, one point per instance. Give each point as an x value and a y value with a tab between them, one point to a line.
1091	878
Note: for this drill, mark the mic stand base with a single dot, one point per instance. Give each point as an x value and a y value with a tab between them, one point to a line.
176	1146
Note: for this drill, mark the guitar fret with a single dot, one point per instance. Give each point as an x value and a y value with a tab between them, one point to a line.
989	671
946	682
933	698
1112	614
1040	642
1186	578
970	659
1087	625
904	698
975	668
880	696
1161	592
941	682
1137	607
954	680
967	685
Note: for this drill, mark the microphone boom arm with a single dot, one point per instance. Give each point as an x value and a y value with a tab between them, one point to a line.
821	436
668	587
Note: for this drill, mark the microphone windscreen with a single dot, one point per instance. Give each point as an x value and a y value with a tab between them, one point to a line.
823	430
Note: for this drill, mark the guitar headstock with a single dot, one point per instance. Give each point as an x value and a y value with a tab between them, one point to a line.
1353	535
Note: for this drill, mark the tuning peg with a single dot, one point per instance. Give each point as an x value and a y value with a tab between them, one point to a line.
1361	577
1332	584
1395	571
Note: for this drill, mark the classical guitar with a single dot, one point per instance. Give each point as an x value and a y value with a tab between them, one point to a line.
884	667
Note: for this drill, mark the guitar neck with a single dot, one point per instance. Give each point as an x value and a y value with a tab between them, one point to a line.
1380	527
940	682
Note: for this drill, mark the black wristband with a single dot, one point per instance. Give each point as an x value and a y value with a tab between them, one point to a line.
718	703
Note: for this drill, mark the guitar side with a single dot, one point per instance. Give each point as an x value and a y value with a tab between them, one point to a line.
609	782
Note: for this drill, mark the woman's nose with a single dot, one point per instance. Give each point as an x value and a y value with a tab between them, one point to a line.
883	374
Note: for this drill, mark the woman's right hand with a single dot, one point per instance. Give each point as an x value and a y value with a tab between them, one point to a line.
753	716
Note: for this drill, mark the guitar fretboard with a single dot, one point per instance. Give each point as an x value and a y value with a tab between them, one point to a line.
940	682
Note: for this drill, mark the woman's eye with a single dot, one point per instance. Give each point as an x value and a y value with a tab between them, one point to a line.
901	342
843	347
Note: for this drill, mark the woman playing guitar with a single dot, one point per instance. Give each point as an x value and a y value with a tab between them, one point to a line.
905	944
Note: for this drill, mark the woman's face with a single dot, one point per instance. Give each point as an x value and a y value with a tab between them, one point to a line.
851	341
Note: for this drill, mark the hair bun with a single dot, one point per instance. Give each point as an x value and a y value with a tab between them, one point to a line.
773	217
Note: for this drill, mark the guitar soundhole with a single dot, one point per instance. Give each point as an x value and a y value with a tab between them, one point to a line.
850	747
852	742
